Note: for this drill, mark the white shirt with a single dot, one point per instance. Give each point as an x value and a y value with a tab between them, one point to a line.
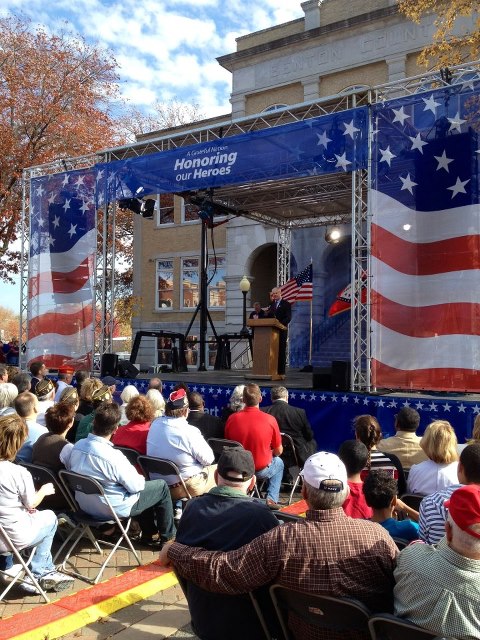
175	440
429	477
17	495
61	386
43	405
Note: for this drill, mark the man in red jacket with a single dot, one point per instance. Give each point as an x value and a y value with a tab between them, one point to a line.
258	432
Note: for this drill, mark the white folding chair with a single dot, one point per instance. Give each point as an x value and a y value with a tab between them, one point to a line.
25	570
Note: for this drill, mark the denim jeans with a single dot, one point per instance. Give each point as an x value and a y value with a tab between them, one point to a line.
154	510
42	559
274	474
6	561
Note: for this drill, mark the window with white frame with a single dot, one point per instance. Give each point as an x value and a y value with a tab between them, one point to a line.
216	279
190	212
190	293
165	208
216	293
164	284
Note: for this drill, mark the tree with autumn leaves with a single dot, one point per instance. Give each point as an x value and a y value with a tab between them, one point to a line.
56	91
447	48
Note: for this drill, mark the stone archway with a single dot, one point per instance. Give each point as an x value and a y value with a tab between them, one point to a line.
263	271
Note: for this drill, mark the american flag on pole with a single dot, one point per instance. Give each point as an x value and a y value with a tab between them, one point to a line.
300	287
426	242
61	269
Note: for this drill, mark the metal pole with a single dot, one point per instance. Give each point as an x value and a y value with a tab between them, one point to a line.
203	299
244	332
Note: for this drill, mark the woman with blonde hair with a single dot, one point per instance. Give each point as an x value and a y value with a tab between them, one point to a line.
88	388
157	401
129	392
440	471
476	430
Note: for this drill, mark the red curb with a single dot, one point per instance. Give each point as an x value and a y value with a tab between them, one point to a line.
25	621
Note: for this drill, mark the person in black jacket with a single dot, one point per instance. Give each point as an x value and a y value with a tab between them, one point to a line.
282	311
210	426
294	422
225	518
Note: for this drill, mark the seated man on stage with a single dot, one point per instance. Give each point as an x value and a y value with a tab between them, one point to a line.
282	311
257	312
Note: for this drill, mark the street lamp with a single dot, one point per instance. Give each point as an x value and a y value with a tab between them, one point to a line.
244	288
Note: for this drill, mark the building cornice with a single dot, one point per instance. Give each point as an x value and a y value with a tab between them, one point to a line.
228	61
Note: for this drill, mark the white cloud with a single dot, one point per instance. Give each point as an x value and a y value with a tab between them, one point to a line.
165	49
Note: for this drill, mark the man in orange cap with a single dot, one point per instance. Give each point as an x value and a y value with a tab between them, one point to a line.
451	569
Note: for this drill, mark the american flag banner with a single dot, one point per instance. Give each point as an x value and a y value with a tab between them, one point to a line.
300	287
425	250
61	269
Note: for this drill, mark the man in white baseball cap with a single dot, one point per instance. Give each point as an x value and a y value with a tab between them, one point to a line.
327	552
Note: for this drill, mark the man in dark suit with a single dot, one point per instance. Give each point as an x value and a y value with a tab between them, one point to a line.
282	311
294	422
210	426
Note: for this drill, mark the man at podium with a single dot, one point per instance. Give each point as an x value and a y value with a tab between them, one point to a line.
282	311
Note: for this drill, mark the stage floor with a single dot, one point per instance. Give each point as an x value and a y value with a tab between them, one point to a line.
295	379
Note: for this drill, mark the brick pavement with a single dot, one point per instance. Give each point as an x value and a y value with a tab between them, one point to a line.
164	613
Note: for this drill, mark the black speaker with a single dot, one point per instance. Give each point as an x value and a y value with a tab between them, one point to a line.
340	375
322	378
109	365
126	369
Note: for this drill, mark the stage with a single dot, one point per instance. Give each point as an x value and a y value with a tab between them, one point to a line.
330	412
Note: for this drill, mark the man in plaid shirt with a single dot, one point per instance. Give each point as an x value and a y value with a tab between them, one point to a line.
327	553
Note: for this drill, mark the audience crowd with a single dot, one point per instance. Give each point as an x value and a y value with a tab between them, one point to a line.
394	522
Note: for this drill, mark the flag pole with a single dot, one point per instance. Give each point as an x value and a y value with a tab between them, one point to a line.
311	321
311	331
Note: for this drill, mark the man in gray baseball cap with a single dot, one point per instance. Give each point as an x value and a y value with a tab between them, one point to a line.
225	518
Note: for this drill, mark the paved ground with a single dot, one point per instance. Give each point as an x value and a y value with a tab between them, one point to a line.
165	614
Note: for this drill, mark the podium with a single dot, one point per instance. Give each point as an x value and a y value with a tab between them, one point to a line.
265	349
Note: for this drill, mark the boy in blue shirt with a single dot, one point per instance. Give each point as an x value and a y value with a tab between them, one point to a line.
380	490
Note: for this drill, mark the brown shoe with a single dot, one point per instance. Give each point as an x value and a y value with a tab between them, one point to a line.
273	505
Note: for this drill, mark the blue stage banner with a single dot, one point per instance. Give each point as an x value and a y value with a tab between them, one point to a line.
331	414
331	143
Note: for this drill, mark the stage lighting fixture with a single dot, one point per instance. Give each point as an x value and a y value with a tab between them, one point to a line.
144	208
333	235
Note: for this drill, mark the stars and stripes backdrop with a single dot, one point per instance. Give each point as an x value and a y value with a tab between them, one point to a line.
425	252
63	240
299	287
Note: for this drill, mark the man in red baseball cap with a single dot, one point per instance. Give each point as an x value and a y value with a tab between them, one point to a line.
438	587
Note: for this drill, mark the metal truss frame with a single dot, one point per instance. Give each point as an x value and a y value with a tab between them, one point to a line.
218	128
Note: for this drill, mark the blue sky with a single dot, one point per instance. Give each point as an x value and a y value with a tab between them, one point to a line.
165	49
